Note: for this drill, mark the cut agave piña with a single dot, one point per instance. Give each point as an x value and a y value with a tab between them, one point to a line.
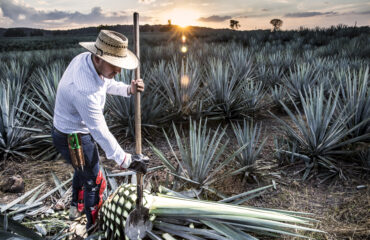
184	218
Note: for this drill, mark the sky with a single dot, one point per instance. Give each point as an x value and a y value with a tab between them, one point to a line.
251	14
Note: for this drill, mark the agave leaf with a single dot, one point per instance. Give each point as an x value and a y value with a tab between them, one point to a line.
162	158
229	199
24	196
53	190
196	231
167	236
20	229
153	236
58	183
112	182
178	232
226	230
11	236
319	133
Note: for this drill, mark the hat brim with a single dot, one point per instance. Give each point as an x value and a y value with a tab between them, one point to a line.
129	62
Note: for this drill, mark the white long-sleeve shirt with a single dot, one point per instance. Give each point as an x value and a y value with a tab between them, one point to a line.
80	102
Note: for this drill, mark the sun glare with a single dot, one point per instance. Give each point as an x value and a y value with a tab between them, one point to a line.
183	17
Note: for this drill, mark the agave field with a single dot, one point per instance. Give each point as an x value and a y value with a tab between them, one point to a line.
240	123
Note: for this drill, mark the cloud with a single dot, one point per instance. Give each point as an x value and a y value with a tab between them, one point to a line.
26	16
166	4
308	14
364	13
146	1
214	18
281	1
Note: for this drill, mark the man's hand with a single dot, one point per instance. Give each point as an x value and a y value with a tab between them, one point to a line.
139	84
139	163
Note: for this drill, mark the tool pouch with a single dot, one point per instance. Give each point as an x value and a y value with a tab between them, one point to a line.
75	150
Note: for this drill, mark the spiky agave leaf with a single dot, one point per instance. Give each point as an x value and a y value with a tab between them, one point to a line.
355	99
196	218
226	89
301	78
14	139
248	134
44	84
120	111
178	84
318	134
200	152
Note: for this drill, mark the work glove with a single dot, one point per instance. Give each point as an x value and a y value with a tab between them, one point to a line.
139	163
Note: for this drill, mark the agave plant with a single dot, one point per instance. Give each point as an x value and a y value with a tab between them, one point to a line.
15	71
355	99
199	155
318	135
249	135
120	111
226	89
183	218
178	85
44	84
301	78
14	139
278	93
253	94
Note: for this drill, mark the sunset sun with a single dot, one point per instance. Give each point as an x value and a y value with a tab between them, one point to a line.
183	17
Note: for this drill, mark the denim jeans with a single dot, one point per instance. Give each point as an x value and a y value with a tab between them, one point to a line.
82	178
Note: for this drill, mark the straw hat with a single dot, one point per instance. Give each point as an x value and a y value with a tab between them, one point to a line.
112	47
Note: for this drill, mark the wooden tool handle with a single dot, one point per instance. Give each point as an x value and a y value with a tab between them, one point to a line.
137	76
139	176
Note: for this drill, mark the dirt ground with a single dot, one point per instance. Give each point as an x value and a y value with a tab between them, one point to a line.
342	208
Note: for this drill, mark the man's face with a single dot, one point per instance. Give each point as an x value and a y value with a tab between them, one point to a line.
106	69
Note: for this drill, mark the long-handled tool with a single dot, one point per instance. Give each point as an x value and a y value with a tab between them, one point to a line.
138	222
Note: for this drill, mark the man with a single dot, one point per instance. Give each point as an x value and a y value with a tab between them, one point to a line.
79	121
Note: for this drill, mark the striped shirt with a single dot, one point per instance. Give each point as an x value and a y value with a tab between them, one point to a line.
80	102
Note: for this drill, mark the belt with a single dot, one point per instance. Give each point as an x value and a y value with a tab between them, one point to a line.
66	134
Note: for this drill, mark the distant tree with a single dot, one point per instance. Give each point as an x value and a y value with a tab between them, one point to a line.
234	24
14	32
277	23
169	22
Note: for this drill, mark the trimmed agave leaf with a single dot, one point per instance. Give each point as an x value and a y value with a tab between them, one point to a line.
112	182
129	173
11	236
319	133
228	231
21	198
39	200
244	194
209	234
58	183
200	151
30	201
20	230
